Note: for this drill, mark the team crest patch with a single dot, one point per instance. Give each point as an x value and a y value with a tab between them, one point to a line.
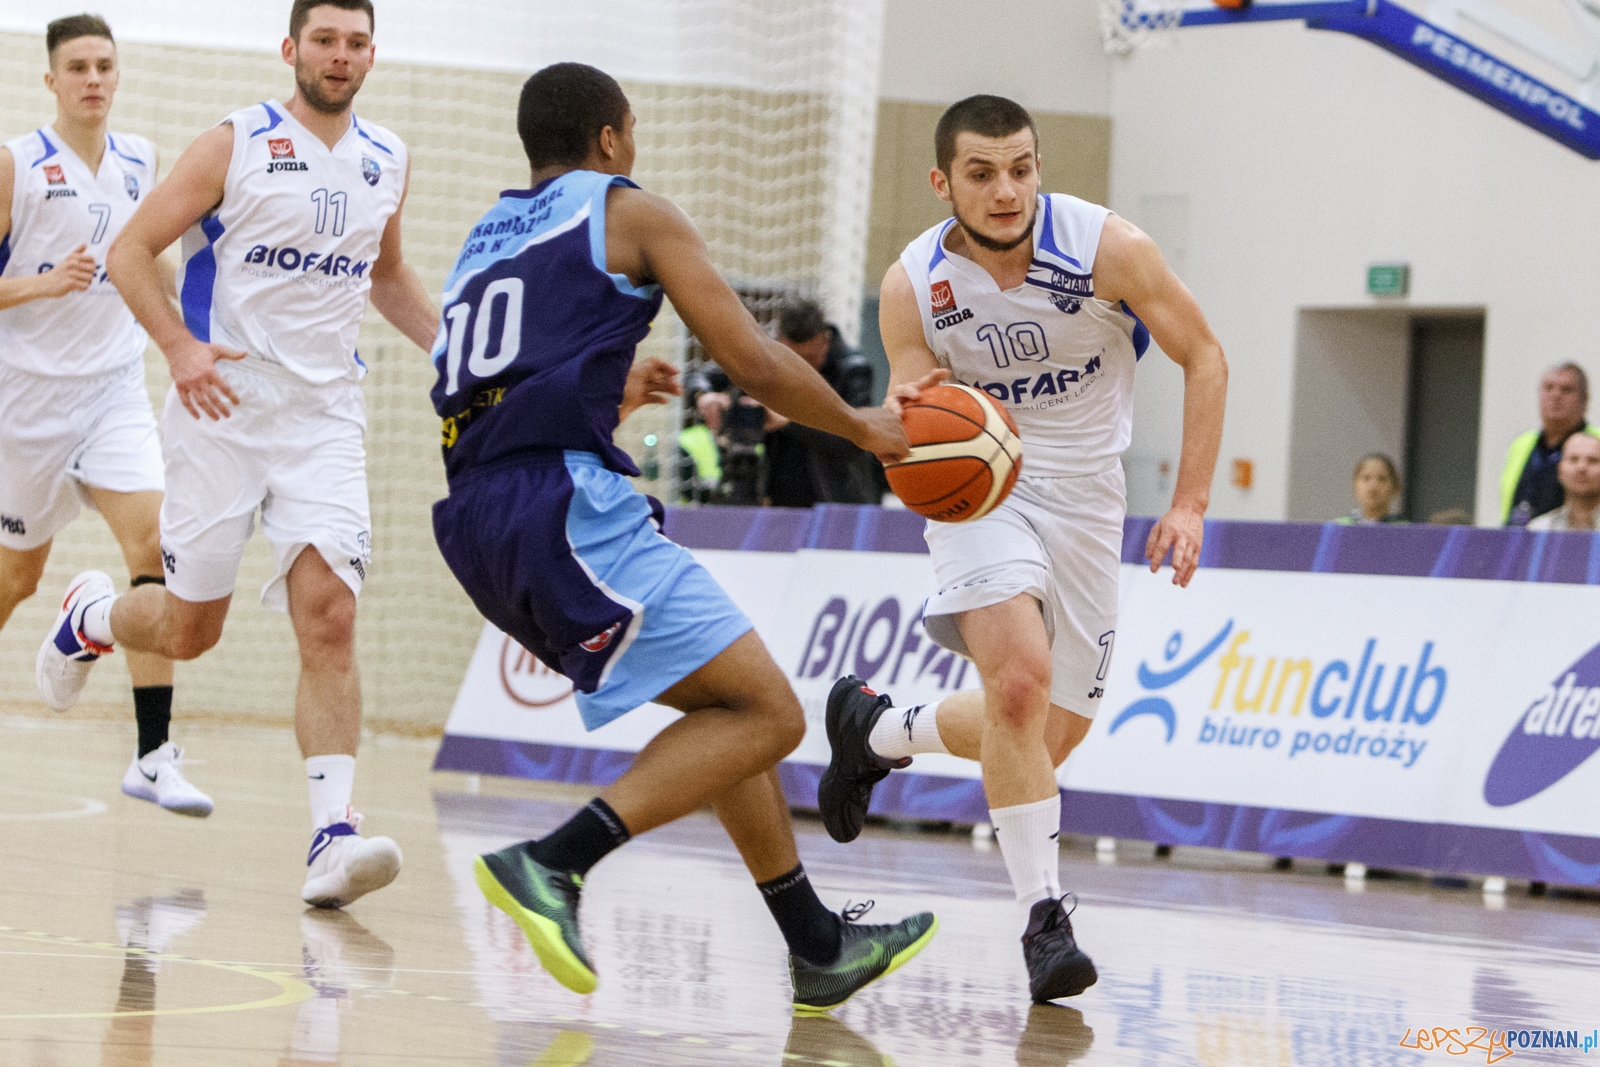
1069	304
281	147
944	299
130	183
370	170
599	641
54	175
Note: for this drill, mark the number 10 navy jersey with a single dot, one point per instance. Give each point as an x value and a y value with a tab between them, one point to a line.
537	336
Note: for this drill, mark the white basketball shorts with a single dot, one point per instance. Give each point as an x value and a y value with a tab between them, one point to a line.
60	436
1059	540
295	452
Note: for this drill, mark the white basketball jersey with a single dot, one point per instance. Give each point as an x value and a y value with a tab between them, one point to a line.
282	268
57	205
1058	359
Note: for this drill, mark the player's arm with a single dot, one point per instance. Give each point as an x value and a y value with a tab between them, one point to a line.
397	292
1129	267
193	189
657	242
72	275
165	262
912	364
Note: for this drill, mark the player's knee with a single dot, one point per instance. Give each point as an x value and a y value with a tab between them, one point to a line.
192	639
1021	689
789	726
18	584
1061	746
330	626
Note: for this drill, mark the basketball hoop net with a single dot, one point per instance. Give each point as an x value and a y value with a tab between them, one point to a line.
1128	25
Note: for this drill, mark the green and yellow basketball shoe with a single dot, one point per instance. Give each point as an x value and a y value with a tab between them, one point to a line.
545	904
866	953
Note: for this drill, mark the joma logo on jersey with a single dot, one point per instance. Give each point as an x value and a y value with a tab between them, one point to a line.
944	298
54	175
294	259
12	526
280	166
281	148
59	194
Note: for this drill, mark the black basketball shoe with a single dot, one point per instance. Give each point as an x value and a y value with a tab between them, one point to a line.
1057	967
845	791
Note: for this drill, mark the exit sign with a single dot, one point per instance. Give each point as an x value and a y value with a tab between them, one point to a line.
1389	279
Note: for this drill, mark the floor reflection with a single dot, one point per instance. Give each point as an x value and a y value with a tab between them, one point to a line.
338	957
146	929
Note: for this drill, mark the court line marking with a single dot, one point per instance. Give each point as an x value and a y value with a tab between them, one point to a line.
290	990
88	807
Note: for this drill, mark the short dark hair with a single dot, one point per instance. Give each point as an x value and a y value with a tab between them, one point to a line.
1579	372
801	321
300	14
71	28
986	116
562	111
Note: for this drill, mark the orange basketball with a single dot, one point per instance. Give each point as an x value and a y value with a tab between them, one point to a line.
965	455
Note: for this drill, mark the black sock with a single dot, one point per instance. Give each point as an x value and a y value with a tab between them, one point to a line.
152	709
811	930
582	841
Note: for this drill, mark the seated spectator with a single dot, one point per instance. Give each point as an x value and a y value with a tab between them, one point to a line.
1377	487
1579	471
1529	486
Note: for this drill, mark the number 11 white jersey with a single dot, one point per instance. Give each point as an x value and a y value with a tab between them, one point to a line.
57	204
1060	360
282	268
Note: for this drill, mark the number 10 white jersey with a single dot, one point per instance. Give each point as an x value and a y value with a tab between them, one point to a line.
57	204
282	268
1060	360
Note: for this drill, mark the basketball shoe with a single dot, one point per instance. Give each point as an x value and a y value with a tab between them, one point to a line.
158	777
866	953
544	903
343	866
62	666
845	792
1057	967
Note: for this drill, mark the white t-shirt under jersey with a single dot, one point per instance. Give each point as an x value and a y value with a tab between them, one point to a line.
282	268
1058	359
57	204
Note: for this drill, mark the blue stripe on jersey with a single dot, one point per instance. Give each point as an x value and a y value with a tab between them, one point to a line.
269	127
5	252
49	149
597	248
1047	235
200	280
1141	333
368	138
112	143
938	246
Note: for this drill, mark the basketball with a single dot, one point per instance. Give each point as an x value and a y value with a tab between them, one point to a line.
965	455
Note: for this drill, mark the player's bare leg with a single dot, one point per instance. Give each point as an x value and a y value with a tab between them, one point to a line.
155	774
342	864
20	572
960	718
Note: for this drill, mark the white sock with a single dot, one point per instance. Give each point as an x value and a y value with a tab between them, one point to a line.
330	778
96	624
1028	840
902	732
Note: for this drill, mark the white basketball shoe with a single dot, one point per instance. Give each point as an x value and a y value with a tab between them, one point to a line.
344	866
62	666
158	777
150	923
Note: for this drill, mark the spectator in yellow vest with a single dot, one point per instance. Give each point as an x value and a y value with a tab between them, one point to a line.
1579	471
1529	485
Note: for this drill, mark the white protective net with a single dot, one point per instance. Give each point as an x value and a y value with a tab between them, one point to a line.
755	116
1128	25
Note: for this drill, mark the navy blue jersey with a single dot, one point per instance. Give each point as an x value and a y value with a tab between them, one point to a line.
538	337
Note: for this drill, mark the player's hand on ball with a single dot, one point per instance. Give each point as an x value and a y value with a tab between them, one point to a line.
200	387
650	381
72	275
882	434
1180	532
901	395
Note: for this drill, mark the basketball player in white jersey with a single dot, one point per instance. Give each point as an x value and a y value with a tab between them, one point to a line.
290	217
75	420
1031	298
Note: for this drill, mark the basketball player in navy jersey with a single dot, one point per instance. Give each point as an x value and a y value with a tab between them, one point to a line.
552	292
75	420
1046	303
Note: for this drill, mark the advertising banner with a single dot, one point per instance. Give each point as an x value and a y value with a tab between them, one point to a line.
1440	714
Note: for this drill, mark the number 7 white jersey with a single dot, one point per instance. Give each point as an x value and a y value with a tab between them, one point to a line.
57	204
282	268
1060	360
